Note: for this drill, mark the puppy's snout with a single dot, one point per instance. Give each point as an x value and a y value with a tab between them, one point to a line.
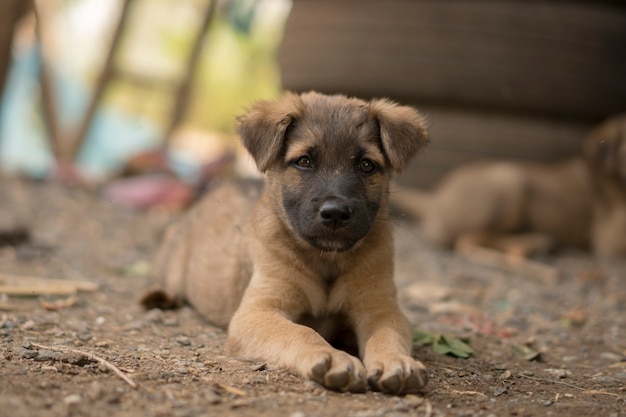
335	213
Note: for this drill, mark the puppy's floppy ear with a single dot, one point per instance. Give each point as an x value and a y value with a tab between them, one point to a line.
262	130
402	131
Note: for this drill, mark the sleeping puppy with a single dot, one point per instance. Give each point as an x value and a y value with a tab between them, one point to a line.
525	208
308	260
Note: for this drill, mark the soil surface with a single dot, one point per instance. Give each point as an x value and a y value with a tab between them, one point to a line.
542	347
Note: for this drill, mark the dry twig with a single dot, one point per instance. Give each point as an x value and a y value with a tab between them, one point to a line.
91	356
32	285
231	390
583	390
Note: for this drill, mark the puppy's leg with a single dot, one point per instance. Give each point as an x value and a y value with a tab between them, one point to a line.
385	342
519	245
263	329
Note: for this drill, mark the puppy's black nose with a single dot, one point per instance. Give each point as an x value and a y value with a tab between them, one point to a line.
335	213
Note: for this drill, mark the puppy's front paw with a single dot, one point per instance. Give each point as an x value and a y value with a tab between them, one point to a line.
335	370
397	374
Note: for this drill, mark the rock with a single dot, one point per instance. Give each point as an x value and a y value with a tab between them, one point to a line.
8	325
559	373
154	315
72	399
183	341
258	367
133	325
29	354
27	325
170	322
413	401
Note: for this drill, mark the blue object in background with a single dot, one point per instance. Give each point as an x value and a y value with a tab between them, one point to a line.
113	136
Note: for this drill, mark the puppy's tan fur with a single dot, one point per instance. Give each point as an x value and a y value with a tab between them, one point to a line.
533	207
285	286
605	154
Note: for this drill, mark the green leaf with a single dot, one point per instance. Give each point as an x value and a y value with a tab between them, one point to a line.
423	338
526	353
445	345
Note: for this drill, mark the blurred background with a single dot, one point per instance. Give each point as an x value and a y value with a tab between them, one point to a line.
96	90
100	82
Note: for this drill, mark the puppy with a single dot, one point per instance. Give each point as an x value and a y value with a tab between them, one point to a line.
525	208
307	261
605	154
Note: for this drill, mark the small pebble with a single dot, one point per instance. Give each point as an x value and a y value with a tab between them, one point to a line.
29	324
72	399
258	367
29	354
133	325
183	341
84	337
413	401
211	397
8	325
94	390
613	357
154	316
559	373
170	322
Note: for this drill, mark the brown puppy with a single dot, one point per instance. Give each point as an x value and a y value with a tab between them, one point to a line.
532	207
311	262
605	154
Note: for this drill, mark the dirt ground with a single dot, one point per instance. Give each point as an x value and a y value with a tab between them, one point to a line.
542	347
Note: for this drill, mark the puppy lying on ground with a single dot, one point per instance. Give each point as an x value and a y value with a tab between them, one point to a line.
308	260
524	208
605	153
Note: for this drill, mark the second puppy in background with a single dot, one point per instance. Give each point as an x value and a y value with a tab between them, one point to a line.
525	208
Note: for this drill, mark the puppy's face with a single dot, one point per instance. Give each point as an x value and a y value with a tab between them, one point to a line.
333	175
328	161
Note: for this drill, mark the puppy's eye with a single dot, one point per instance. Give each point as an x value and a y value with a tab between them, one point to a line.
304	162
366	166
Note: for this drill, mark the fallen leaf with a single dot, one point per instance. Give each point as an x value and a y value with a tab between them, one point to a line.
526	353
423	338
445	345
